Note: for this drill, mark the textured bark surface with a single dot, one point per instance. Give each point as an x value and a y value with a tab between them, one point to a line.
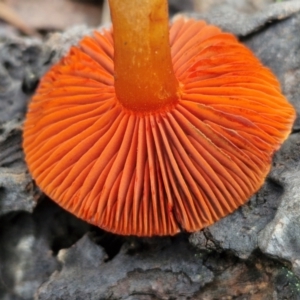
242	23
45	253
17	190
175	273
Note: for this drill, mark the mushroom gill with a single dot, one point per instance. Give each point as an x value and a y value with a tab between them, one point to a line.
144	132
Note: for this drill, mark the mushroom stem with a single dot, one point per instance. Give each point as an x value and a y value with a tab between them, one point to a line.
144	76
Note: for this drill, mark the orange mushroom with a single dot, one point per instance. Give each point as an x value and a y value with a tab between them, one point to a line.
144	133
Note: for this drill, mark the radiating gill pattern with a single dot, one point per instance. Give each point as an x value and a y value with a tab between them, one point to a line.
156	173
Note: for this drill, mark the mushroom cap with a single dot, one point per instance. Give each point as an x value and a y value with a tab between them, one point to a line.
182	167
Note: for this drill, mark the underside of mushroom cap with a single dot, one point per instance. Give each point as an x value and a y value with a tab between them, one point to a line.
181	167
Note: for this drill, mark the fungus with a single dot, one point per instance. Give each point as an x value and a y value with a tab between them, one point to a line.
149	129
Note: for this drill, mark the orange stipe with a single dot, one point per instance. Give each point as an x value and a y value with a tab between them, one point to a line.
125	160
143	69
